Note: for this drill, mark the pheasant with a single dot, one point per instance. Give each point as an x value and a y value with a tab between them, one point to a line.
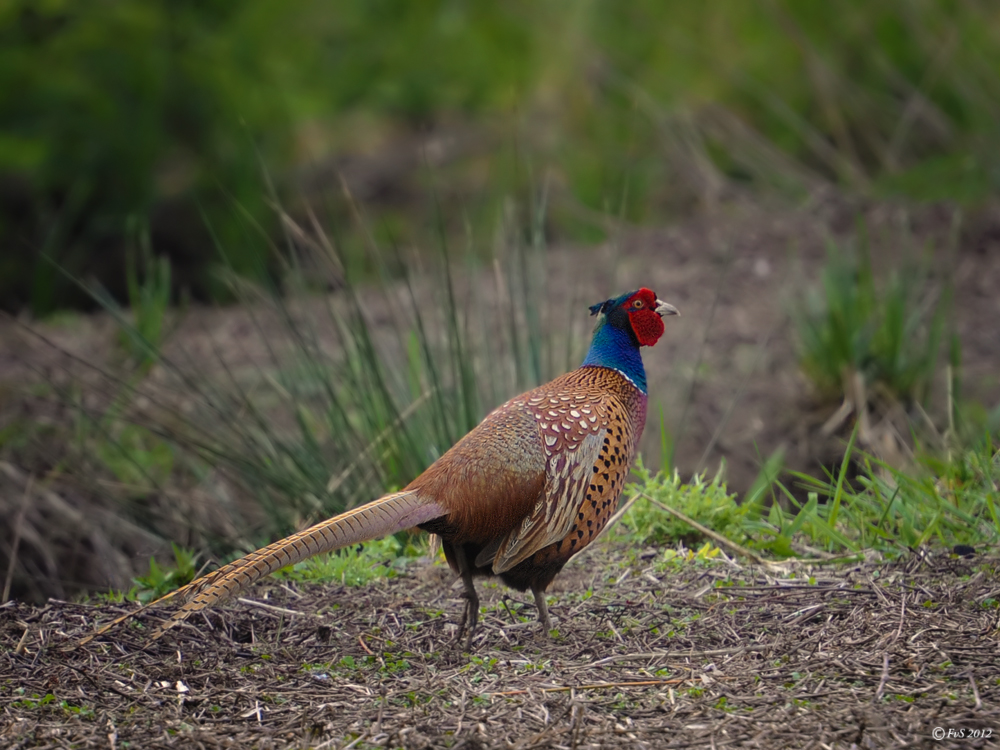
533	484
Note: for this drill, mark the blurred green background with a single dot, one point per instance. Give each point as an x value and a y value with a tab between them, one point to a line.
168	120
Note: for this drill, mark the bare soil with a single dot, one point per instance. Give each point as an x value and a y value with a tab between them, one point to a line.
649	653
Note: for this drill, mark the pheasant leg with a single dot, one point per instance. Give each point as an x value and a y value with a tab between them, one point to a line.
470	615
543	609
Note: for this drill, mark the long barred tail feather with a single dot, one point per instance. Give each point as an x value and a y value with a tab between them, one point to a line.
377	519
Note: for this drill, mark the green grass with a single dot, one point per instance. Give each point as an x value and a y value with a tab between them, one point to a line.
162	580
706	501
943	502
356	566
149	292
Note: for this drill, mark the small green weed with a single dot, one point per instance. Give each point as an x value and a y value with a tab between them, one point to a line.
160	581
386	663
352	566
84	712
705	501
36	702
112	596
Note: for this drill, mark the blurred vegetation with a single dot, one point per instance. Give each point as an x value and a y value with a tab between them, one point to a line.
889	333
122	111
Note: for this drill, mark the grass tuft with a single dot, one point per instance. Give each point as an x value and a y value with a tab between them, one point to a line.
946	502
889	333
351	395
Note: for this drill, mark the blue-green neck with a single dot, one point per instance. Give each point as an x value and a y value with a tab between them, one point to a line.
612	347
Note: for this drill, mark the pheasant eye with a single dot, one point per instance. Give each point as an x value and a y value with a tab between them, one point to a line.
637	303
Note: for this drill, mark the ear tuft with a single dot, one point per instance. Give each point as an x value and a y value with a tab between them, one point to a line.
599	307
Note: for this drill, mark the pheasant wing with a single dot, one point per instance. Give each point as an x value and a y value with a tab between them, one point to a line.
572	430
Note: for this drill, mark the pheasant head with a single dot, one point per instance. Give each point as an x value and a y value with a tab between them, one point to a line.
624	324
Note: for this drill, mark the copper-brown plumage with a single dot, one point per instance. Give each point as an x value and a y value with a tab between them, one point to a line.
519	495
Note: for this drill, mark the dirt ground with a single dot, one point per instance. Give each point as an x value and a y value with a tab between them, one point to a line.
650	653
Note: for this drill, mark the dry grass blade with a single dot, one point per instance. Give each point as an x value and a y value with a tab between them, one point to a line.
271	607
335	482
18	524
597	686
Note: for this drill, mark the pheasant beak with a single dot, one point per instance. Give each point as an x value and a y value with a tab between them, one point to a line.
665	308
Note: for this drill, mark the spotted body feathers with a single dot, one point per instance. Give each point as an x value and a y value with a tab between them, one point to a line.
584	429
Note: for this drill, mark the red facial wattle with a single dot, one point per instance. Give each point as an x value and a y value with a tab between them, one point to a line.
648	326
646	322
